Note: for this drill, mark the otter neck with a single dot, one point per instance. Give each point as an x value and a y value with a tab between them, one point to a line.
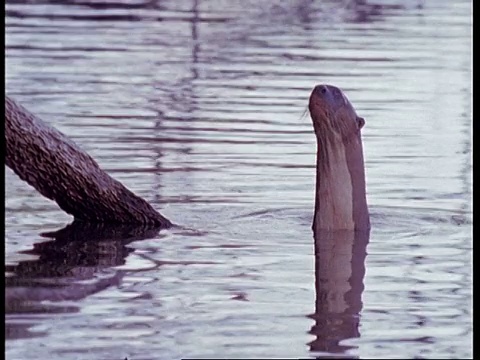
340	199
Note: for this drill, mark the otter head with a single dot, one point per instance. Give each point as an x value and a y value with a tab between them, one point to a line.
332	114
340	201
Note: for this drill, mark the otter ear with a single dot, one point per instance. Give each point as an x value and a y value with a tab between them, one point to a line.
360	122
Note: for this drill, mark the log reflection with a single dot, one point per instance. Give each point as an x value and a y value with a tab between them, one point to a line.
75	264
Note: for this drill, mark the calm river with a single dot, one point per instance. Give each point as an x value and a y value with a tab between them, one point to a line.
200	108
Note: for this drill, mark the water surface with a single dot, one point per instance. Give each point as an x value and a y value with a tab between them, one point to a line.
200	108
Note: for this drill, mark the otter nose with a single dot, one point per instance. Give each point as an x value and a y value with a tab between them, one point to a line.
321	89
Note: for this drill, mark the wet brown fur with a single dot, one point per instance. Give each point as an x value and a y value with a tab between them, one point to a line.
337	128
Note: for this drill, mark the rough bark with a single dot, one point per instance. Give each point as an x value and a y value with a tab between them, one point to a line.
61	171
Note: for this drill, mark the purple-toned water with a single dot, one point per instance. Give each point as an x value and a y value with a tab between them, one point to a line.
200	107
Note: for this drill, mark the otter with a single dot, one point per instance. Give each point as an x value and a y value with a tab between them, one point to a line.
340	198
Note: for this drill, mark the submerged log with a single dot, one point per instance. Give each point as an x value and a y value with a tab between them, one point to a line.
61	171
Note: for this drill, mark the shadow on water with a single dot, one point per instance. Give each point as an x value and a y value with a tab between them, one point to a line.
77	263
189	102
339	272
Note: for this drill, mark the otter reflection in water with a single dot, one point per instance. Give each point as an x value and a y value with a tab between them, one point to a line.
339	271
341	222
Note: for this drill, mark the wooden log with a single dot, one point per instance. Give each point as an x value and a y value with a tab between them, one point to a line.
61	171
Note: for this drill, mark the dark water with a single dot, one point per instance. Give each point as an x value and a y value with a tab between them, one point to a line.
199	107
